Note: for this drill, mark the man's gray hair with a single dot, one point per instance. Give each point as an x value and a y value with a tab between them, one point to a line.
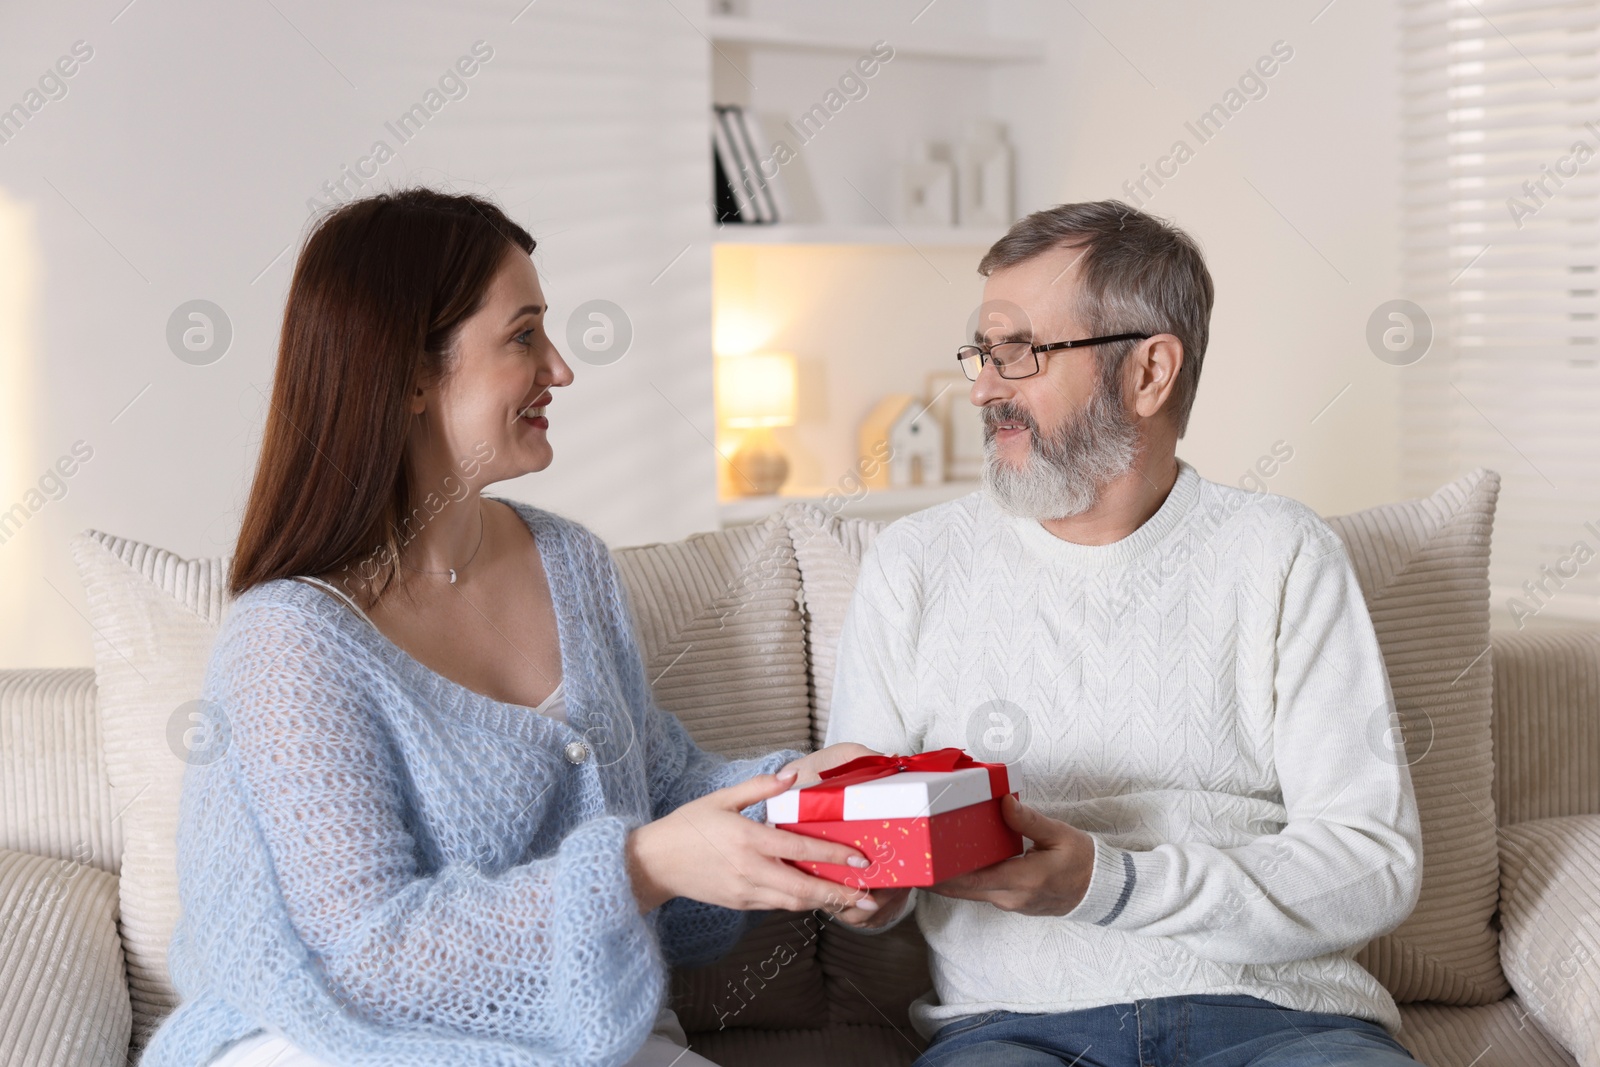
1139	274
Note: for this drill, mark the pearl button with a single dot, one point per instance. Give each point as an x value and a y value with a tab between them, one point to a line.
577	751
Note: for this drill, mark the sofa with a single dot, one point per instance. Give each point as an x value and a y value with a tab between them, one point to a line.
1496	967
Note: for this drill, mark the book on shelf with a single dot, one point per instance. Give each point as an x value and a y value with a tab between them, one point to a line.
734	167
743	192
762	151
727	205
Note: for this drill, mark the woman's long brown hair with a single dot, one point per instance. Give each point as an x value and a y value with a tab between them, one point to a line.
379	291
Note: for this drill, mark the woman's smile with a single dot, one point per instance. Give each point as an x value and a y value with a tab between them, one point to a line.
533	414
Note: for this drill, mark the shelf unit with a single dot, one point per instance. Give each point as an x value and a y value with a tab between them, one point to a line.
737	30
879	504
894	321
736	35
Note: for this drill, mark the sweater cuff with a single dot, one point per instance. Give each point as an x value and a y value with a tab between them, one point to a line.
1110	886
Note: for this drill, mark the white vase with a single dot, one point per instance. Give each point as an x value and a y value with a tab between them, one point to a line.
928	188
983	189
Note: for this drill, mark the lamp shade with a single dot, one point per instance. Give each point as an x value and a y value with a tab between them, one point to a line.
758	389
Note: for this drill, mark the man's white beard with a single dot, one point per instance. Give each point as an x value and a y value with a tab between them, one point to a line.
1064	473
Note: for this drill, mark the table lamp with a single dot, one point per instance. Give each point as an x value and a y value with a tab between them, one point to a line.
756	392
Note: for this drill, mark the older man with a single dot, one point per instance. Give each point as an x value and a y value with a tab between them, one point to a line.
1181	676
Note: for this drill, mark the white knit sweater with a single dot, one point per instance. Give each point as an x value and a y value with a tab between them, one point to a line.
1205	697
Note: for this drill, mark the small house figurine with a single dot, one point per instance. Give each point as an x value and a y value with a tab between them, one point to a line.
903	429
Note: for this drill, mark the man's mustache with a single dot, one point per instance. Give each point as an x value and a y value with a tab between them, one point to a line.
996	415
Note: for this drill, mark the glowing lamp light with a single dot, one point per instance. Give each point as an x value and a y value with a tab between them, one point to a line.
736	331
756	392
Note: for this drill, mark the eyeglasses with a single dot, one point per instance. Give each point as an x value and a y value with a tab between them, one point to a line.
1019	359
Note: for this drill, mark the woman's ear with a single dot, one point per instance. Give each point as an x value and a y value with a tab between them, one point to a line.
1156	373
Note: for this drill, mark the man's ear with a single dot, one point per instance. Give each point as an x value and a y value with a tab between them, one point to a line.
1156	363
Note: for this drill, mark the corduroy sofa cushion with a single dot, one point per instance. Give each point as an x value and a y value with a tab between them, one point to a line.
1501	1034
1546	730
770	981
61	965
55	798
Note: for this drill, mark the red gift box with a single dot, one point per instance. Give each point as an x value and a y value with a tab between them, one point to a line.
920	819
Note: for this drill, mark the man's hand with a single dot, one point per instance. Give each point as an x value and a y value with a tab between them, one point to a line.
1051	878
810	768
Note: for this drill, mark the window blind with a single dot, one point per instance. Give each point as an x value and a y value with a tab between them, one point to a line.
1501	249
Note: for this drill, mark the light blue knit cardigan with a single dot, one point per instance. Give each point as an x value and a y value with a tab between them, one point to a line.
394	870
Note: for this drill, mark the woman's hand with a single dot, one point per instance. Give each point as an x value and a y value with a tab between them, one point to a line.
810	768
877	906
887	906
706	850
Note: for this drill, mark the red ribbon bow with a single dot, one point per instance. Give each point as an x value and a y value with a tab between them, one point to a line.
824	801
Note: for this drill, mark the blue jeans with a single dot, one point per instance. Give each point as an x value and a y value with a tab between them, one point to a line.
1188	1031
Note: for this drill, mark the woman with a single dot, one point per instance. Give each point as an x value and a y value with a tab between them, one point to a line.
450	825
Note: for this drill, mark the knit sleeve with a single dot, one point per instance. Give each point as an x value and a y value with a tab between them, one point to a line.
874	684
1347	864
550	953
678	770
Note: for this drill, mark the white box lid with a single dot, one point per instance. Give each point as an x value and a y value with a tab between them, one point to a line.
907	795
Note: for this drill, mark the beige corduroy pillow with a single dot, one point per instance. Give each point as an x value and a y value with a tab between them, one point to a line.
155	617
1550	911
829	548
719	628
1423	568
66	1002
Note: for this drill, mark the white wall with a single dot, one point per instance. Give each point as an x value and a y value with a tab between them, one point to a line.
179	165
